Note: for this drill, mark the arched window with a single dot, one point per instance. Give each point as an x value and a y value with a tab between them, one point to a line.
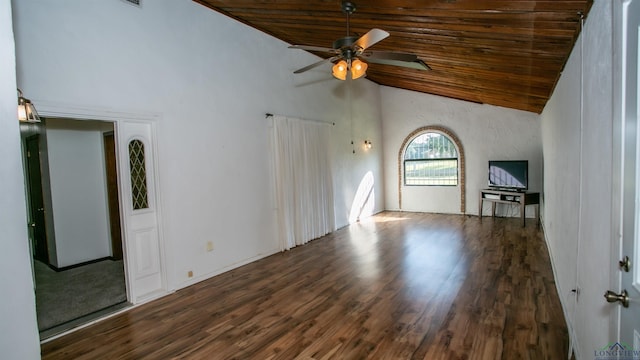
431	158
422	149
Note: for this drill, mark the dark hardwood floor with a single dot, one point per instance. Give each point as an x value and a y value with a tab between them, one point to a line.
396	286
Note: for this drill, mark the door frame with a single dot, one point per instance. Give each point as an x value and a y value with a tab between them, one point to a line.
119	119
113	194
617	168
620	133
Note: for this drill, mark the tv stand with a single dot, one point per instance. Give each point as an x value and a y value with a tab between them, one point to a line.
510	197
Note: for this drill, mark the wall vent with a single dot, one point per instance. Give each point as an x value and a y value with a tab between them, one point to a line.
137	3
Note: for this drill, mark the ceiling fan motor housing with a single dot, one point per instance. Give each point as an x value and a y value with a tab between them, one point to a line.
344	42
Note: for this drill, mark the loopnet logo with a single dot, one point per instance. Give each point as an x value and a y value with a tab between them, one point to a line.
617	351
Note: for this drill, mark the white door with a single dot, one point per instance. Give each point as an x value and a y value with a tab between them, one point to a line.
629	332
142	247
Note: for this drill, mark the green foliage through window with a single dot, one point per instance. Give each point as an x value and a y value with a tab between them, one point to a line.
431	159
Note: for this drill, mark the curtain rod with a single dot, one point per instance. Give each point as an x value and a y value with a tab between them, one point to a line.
320	121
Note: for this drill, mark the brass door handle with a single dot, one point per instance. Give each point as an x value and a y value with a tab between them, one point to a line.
622	298
624	264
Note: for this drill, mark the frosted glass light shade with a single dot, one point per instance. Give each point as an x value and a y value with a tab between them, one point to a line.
358	69
339	70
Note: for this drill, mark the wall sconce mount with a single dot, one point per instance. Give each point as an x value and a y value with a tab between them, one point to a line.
26	111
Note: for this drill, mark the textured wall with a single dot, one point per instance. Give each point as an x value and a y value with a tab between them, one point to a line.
577	140
486	133
19	338
209	81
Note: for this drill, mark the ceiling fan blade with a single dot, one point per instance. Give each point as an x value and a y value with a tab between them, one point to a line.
313	48
370	38
385	55
416	64
316	64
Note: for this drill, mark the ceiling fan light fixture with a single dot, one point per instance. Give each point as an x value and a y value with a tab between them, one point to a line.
358	69
349	48
339	70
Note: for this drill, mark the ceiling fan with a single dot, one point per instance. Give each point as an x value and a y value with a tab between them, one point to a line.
350	51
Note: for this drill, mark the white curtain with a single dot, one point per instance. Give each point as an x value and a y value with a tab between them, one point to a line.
304	185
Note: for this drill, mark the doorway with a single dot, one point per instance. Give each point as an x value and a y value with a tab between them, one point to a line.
78	265
113	196
36	199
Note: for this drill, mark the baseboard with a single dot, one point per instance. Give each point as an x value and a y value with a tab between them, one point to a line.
64	268
570	329
216	272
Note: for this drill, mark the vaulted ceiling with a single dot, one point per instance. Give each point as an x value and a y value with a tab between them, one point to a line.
508	53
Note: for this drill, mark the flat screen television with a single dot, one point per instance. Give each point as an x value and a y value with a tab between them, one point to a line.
509	174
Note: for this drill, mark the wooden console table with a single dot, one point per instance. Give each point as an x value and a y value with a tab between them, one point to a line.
510	197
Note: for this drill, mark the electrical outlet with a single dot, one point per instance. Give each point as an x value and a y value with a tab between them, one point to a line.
190	273
209	245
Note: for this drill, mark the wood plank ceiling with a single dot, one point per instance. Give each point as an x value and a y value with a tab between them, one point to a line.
507	53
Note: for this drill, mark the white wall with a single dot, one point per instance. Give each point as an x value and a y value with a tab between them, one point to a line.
210	80
486	133
78	188
577	142
355	164
560	210
18	327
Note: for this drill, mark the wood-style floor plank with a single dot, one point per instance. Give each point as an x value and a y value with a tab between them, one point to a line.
395	286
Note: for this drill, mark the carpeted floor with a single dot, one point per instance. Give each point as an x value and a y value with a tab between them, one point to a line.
64	296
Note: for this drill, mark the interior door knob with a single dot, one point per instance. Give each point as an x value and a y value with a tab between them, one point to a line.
622	298
624	264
